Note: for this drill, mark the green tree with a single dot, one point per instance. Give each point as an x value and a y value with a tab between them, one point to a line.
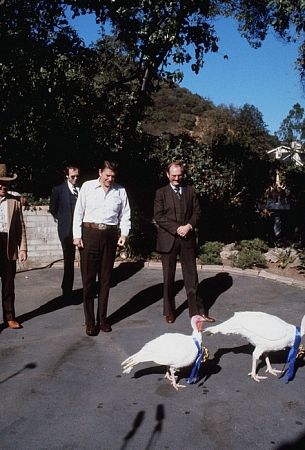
156	33
61	99
45	113
293	126
251	130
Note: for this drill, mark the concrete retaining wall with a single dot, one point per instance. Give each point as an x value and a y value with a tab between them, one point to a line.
44	246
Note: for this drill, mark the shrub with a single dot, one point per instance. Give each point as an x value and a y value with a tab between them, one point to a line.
301	266
285	257
248	258
209	253
29	200
254	244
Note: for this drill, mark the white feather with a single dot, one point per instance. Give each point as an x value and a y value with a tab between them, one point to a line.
174	350
169	349
265	331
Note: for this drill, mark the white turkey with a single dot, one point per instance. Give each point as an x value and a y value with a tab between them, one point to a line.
267	333
174	350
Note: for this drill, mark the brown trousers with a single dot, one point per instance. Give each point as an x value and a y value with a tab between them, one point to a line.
97	259
7	274
187	257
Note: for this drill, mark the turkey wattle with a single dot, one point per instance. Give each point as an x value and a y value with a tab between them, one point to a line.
174	350
266	332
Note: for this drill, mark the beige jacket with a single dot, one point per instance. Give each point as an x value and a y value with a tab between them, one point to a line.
16	228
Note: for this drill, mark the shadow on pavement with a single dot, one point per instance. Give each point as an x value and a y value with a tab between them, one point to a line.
56	303
136	424
156	431
124	271
140	301
211	366
211	288
27	366
119	274
150	370
298	444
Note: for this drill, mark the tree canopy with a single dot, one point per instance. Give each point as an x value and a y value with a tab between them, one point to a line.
62	101
293	126
156	33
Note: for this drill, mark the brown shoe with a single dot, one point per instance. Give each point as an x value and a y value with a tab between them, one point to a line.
90	330
106	327
170	318
14	325
207	318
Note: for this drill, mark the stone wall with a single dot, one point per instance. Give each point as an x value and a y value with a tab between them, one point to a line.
44	246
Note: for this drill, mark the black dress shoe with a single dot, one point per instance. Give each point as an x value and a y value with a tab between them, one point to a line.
105	327
90	330
170	318
207	318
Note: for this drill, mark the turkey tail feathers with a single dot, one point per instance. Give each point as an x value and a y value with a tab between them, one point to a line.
129	363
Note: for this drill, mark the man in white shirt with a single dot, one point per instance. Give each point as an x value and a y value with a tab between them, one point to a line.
62	204
101	223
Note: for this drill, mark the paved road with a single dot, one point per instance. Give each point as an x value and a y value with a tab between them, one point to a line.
61	389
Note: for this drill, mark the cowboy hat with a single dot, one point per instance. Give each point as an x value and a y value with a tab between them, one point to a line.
3	174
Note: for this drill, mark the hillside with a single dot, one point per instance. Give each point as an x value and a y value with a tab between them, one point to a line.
175	110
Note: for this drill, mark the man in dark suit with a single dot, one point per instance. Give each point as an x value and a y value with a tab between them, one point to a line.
177	214
13	245
62	204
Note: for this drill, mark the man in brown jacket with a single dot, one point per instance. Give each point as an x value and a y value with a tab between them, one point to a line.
12	240
177	214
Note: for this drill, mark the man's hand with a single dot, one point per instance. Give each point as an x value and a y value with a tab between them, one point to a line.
122	240
78	242
22	255
184	229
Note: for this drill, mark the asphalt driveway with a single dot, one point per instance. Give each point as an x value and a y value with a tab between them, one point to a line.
61	389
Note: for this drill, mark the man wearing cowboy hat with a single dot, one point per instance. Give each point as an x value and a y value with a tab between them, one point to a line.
12	239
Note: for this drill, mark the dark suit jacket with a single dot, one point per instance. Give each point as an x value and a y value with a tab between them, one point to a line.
166	217
60	208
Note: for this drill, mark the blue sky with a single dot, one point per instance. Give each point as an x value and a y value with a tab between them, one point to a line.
265	77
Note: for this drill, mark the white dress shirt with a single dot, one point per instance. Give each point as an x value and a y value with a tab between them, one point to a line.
97	206
176	188
3	215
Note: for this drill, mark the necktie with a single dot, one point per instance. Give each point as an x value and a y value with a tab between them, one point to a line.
75	192
177	192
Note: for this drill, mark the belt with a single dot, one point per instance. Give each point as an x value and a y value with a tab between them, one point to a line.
100	226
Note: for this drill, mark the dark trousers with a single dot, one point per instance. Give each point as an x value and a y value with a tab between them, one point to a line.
97	259
68	249
7	274
190	277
